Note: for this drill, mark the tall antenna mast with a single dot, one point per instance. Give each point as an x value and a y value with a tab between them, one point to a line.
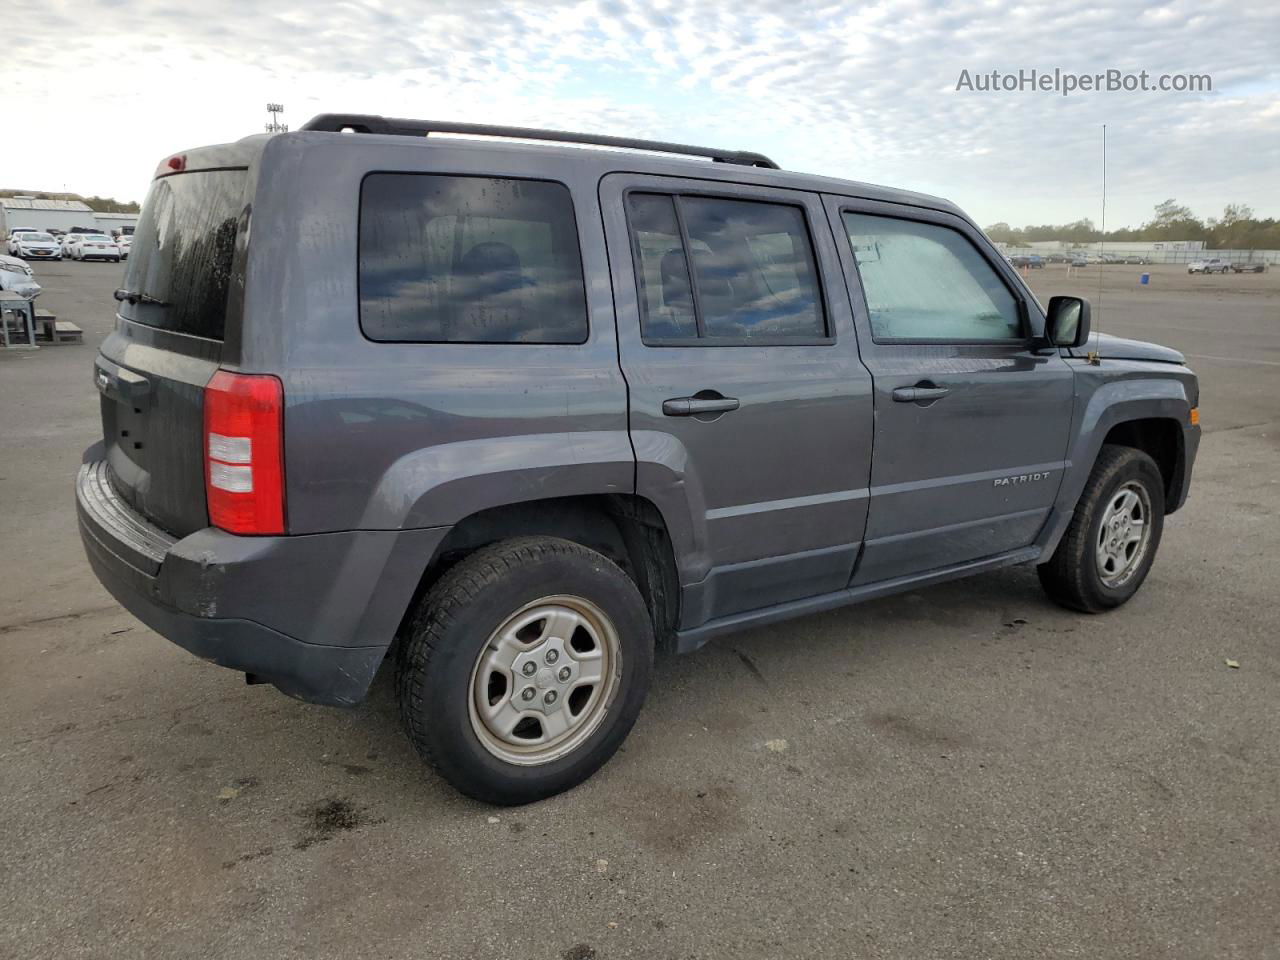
1095	357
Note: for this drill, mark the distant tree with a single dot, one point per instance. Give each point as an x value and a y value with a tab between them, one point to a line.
1001	232
1233	213
1170	212
111	205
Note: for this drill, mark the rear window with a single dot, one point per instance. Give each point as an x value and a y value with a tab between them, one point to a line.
186	238
454	259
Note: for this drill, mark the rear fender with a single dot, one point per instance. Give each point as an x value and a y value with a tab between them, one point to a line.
440	485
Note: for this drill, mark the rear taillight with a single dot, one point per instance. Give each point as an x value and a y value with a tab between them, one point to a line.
244	452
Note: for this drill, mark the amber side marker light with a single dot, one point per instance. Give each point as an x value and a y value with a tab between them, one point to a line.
1195	416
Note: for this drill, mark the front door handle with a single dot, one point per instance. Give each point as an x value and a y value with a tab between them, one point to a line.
920	393
692	406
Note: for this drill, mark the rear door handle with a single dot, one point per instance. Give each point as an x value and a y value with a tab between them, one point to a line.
692	406
919	394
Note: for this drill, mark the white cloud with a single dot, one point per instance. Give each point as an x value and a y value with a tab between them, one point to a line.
861	92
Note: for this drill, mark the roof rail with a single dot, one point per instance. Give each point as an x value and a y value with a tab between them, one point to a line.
367	123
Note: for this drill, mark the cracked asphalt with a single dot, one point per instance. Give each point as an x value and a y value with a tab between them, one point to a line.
966	771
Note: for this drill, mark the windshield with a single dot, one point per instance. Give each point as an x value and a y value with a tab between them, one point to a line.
186	239
36	238
95	238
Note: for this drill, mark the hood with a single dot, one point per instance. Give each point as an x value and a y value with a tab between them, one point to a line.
1122	348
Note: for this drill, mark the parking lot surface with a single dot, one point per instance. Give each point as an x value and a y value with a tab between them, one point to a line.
966	771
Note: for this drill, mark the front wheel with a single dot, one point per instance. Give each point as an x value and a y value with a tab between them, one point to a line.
1109	547
524	668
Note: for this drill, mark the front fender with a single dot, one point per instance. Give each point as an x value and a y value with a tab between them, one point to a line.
442	484
1116	392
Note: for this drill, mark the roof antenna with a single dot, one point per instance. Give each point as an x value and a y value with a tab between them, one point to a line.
1095	355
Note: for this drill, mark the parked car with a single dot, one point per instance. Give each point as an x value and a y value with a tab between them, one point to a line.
1058	258
37	246
1080	260
94	246
1253	266
15	276
1214	265
15	264
124	243
493	438
1135	259
11	243
1035	262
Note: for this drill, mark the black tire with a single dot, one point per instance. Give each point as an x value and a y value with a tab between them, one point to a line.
1071	576
453	625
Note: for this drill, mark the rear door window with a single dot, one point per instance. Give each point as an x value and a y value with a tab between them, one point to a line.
180	263
457	259
723	269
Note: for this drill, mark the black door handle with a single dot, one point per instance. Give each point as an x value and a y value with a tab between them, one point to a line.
921	393
692	406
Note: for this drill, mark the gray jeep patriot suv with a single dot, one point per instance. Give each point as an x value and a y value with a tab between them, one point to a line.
518	416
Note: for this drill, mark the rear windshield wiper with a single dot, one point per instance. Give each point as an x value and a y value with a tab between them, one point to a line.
130	296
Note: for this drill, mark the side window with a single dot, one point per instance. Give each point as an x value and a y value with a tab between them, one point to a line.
447	259
753	270
666	294
927	282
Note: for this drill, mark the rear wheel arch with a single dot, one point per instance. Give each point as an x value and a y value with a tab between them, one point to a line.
1161	439
628	530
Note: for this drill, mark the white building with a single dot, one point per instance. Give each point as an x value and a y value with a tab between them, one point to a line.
62	215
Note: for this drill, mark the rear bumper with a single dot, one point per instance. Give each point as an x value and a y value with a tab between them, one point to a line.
314	615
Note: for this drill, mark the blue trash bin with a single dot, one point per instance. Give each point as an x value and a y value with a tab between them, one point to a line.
1146	279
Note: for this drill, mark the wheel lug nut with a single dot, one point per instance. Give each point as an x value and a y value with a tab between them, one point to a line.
529	669
528	693
549	698
553	656
563	674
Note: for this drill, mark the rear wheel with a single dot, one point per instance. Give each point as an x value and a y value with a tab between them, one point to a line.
1111	543
524	669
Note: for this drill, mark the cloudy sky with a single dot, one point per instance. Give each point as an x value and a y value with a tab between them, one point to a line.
863	91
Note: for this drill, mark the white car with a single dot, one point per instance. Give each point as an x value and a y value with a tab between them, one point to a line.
1216	265
125	243
37	246
14	264
15	235
94	246
16	276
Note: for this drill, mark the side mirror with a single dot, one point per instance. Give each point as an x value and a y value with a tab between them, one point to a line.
1067	322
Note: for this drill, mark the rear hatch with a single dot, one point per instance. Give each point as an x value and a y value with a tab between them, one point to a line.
168	341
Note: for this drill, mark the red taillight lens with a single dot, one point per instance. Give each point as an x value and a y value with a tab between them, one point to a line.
244	452
175	164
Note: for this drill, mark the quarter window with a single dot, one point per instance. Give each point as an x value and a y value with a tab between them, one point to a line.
447	259
735	270
927	282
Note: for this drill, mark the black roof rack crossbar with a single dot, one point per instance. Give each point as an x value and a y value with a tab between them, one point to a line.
366	123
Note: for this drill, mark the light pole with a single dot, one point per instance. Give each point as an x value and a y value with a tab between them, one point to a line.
275	126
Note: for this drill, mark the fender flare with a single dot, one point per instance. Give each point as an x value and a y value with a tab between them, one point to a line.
440	485
1113	403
